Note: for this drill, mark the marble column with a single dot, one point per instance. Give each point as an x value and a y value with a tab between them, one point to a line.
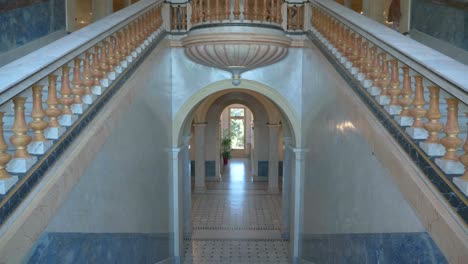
200	157
286	194
273	131
176	212
297	183
186	184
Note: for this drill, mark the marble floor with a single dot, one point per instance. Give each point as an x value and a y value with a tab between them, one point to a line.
236	221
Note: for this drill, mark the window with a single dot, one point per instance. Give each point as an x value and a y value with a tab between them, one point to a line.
237	127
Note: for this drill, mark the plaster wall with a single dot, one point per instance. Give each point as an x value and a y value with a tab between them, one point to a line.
283	76
350	197
121	206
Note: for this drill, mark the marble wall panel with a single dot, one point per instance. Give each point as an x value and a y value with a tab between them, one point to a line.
441	21
68	248
32	20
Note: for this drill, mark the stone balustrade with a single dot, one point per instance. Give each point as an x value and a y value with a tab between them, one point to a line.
433	120
35	120
200	12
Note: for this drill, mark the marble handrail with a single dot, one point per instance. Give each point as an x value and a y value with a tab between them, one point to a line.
420	99
440	69
21	74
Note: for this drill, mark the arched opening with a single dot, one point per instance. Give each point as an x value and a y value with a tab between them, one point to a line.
273	134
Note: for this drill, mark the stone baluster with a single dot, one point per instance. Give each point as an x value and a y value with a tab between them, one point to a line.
201	17
54	130
384	81
194	17
264	11
39	144
462	182
96	71
236	12
290	24
6	180
363	61
227	10
367	68
356	51
417	131
22	161
255	10
88	80
272	11
393	108
432	145
103	59
113	62
174	18
246	12
405	118
67	118
118	55
450	163
184	18
133	39
375	73
278	12
300	18
208	11
77	89
218	10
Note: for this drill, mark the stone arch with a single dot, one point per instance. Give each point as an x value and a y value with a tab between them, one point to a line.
185	115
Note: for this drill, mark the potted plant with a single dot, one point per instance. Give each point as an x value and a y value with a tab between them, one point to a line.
226	148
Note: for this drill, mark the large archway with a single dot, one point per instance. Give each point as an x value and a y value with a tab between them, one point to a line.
194	112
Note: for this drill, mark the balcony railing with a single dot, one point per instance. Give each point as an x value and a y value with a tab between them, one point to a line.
48	96
276	13
419	94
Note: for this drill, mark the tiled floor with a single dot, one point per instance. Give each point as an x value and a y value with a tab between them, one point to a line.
236	221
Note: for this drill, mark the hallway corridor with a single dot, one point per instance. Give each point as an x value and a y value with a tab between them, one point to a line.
236	221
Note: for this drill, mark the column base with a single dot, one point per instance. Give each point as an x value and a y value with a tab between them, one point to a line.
374	91
147	42
393	109
21	165
348	65
6	184
118	70
138	50
40	147
404	120
105	83
54	132
67	120
462	184
89	98
112	76
432	149
79	108
273	190
134	54
361	76
98	89
367	83
417	133
383	99
354	71
260	178
124	64
199	189
129	59
450	166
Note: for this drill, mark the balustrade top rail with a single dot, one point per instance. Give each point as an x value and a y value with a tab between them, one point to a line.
20	74
444	71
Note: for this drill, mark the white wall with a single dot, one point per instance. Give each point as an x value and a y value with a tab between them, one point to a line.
346	188
126	188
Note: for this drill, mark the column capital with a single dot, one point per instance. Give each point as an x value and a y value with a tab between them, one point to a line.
173	152
199	124
273	125
186	140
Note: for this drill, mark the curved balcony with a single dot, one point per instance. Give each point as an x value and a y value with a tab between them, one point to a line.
234	35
